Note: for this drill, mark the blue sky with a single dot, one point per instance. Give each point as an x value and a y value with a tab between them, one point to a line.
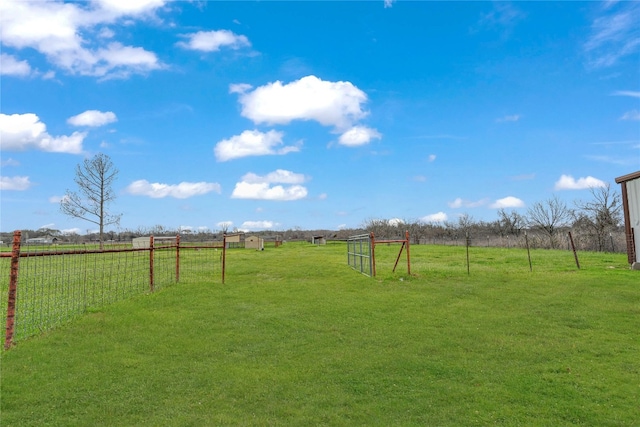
318	115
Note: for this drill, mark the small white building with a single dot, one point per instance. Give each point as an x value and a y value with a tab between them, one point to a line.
141	242
233	240
254	242
630	185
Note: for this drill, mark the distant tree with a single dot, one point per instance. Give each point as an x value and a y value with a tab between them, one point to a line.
599	216
510	222
379	227
94	178
549	216
47	231
224	227
465	223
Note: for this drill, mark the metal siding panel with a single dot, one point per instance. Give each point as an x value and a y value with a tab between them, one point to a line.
633	196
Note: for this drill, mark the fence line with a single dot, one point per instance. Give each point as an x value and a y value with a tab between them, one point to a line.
49	287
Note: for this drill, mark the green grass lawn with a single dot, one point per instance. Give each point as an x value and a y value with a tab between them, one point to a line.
295	337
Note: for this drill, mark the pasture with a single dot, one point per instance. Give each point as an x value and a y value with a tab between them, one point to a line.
296	337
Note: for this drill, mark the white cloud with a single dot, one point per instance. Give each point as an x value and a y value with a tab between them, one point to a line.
614	35
239	87
70	231
19	132
630	93
263	191
10	66
257	187
129	7
93	118
388	3
633	115
358	135
252	143
257	225
183	190
436	217
511	118
56	199
507	202
212	41
278	176
16	183
338	104
431	158
63	33
460	203
567	182
394	222
9	162
504	15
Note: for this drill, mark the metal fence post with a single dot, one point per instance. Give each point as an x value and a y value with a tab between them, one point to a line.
372	248
13	287
406	236
224	255
575	254
151	284
178	258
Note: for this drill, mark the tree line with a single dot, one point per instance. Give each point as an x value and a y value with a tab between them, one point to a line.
593	221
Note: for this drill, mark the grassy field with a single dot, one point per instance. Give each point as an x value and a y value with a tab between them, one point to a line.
295	337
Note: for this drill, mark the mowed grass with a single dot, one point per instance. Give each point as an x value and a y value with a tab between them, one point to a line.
295	337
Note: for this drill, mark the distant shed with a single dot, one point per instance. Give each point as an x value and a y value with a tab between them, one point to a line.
631	207
254	242
233	240
319	240
141	242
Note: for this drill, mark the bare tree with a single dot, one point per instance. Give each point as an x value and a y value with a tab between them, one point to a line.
549	216
465	223
599	216
94	178
510	222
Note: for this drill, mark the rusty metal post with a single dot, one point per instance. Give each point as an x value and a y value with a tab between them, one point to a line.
13	288
406	235
177	258
467	243
151	283
575	254
526	239
224	255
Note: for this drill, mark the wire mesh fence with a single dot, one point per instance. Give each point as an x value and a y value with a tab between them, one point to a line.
52	285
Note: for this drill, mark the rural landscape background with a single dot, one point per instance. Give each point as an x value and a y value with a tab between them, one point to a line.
491	132
263	116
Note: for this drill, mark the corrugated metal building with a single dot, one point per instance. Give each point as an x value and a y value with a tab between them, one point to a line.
631	206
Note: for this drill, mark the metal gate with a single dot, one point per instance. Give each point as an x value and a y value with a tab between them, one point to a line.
359	253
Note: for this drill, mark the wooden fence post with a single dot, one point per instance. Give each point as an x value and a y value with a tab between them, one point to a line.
13	287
